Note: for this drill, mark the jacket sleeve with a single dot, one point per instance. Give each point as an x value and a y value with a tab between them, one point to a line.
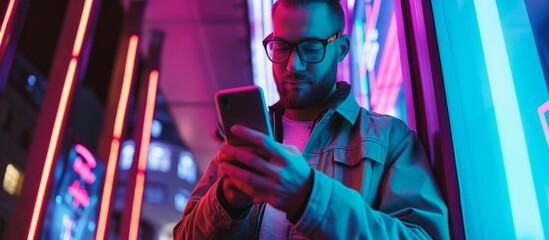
204	217
408	203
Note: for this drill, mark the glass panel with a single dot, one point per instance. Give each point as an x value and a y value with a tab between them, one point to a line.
498	100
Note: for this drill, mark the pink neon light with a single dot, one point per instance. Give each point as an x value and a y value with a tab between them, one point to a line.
382	75
391	83
136	209
394	89
79	194
88	156
390	93
396	67
390	74
147	123
107	191
384	67
83	170
126	84
59	117
372	19
143	156
368	9
82	28
117	132
7	18
541	111
68	225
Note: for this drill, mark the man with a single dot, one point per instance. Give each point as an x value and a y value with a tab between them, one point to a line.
342	172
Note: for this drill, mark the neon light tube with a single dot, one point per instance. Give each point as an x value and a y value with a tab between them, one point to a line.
7	18
126	84
107	191
143	154
59	118
147	123
136	209
90	160
516	162
82	28
56	131
117	132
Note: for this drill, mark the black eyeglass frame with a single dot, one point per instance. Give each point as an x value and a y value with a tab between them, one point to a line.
294	46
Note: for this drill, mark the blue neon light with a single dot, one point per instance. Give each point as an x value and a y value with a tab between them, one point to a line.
495	85
524	204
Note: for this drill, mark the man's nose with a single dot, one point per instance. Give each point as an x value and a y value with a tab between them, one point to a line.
295	63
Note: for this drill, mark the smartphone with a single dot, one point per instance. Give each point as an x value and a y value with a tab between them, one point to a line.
244	106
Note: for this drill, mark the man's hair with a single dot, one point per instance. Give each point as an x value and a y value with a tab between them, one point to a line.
333	5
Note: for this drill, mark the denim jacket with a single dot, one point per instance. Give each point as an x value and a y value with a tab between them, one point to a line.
371	180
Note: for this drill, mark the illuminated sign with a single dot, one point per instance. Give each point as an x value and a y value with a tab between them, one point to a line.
72	209
376	57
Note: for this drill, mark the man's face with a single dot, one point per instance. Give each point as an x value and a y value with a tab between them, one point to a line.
301	84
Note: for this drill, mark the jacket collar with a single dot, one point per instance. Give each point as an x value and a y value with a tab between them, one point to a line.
348	107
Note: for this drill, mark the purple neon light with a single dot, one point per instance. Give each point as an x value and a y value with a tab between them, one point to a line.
542	110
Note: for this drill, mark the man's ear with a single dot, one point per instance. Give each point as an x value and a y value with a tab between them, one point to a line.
344	43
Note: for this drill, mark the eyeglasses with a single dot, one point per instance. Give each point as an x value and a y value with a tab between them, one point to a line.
309	50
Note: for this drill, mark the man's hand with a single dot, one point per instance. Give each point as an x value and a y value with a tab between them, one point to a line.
233	196
275	173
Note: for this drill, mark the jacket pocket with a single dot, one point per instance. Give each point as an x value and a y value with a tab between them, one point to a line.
360	167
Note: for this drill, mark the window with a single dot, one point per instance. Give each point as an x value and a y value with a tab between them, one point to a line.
159	157
12	180
186	168
181	199
155	193
126	156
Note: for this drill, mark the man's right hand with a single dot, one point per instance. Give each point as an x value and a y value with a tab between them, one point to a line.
231	194
234	197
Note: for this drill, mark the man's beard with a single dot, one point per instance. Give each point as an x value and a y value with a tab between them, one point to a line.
318	93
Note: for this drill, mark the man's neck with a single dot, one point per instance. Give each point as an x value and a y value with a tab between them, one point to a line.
307	114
